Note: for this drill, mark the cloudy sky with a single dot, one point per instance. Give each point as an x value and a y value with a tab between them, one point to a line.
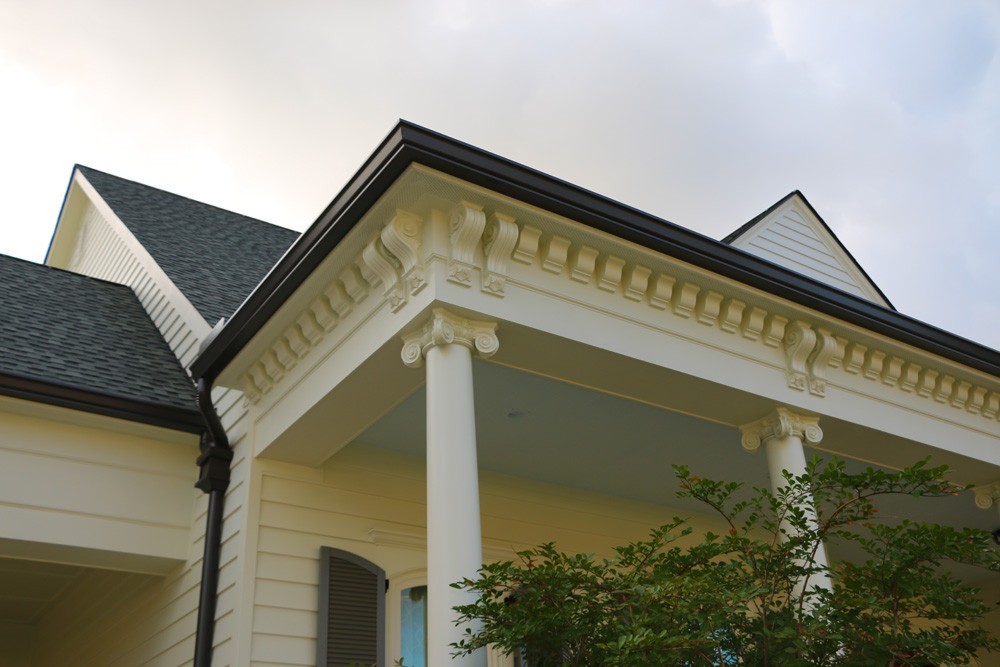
886	114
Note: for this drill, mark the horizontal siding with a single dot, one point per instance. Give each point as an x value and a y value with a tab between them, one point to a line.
791	241
361	489
105	250
126	620
152	621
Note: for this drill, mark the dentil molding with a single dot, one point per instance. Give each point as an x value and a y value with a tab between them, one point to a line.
781	423
483	240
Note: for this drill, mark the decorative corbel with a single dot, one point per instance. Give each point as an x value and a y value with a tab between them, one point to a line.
401	238
386	268
826	348
499	240
465	228
800	341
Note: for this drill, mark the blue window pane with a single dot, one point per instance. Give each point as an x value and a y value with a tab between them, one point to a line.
413	626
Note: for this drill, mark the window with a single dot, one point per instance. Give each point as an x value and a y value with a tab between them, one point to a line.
413	626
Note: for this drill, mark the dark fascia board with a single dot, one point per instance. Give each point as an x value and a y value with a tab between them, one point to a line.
40	391
409	144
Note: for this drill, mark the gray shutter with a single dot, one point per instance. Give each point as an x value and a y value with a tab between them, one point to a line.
351	611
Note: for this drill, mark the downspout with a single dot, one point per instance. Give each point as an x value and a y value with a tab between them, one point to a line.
214	460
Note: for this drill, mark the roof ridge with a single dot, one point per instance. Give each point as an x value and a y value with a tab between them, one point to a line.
746	226
84	168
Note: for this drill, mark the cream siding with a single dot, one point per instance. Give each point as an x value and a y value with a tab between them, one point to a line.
371	502
791	242
158	627
98	495
793	238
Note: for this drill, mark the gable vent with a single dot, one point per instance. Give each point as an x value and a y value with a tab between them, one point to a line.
351	611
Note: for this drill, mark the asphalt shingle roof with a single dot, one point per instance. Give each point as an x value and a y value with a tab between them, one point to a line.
214	256
71	330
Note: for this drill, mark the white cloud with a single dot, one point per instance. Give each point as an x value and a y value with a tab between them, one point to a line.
884	114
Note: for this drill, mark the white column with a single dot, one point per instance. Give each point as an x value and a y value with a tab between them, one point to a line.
782	434
454	537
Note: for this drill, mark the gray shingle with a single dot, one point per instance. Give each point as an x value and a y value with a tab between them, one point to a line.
214	256
67	329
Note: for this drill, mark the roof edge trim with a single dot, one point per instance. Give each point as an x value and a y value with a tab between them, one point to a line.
409	143
39	391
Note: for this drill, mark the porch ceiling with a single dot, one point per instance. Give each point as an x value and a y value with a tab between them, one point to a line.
550	431
29	588
554	432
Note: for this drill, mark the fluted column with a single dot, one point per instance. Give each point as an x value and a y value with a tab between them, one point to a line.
782	433
454	538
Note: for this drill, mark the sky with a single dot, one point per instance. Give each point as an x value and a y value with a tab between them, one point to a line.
884	113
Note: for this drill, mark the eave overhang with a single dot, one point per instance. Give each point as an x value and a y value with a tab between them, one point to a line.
410	144
119	407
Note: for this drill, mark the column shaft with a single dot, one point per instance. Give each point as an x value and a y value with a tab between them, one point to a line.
788	453
782	435
454	538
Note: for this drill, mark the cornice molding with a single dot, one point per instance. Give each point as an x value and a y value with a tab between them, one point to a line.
484	235
392	259
815	351
445	328
782	423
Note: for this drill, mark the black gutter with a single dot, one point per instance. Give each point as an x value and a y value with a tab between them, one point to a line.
214	461
88	400
408	144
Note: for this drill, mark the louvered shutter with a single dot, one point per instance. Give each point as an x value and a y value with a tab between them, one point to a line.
351	611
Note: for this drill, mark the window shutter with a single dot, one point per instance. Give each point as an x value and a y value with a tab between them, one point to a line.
351	611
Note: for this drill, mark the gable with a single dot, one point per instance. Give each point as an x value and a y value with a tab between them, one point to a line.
791	234
214	256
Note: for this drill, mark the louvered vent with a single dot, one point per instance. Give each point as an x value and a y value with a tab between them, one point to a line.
351	610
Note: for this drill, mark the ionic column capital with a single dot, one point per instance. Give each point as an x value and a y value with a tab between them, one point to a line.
987	495
445	328
781	423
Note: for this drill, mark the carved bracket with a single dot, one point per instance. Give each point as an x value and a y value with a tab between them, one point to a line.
499	240
808	354
465	229
393	259
445	328
782	423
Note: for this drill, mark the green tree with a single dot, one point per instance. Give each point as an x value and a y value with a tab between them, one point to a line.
755	594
